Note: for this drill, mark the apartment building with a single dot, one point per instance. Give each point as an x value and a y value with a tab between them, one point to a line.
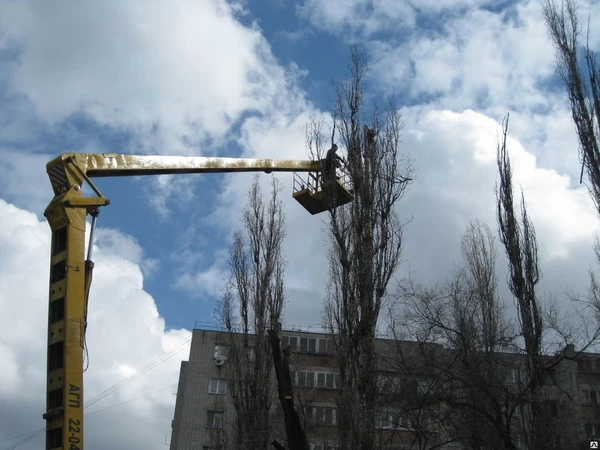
203	418
410	414
588	382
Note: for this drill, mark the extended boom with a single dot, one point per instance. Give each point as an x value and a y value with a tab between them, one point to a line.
71	274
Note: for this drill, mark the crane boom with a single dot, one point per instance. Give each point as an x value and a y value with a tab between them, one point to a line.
73	168
71	272
110	165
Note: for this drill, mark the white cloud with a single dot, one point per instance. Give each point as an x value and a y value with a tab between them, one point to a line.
125	330
364	19
149	266
476	58
21	180
171	73
354	18
458	54
167	191
177	76
436	6
118	244
456	175
208	282
173	77
435	69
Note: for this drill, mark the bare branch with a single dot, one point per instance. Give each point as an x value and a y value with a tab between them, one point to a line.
251	304
563	27
366	237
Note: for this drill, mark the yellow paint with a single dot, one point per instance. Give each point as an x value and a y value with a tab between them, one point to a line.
66	418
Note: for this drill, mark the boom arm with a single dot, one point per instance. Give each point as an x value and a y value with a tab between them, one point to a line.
70	273
71	169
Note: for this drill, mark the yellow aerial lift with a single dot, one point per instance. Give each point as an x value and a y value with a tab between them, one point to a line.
71	275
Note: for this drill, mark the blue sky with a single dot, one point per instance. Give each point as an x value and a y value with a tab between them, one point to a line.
242	78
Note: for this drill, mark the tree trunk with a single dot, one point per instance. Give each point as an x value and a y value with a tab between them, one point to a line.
296	437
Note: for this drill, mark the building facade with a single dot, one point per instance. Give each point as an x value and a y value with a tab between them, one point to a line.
415	409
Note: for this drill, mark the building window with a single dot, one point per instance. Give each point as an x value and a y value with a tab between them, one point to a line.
323	447
217	386
452	436
517	412
381	420
330	346
325	380
554	442
320	415
587	365
290	341
592	431
391	421
404	422
520	440
424	386
513	375
309	414
306	379
251	355
389	384
427	423
317	345
322	345
214	419
551	408
325	346
308	345
590	397
320	380
325	416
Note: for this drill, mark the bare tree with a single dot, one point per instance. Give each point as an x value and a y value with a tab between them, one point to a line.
251	305
495	377
366	237
479	254
520	244
518	238
583	88
584	94
466	317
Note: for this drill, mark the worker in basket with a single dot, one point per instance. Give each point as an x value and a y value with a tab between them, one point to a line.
333	161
